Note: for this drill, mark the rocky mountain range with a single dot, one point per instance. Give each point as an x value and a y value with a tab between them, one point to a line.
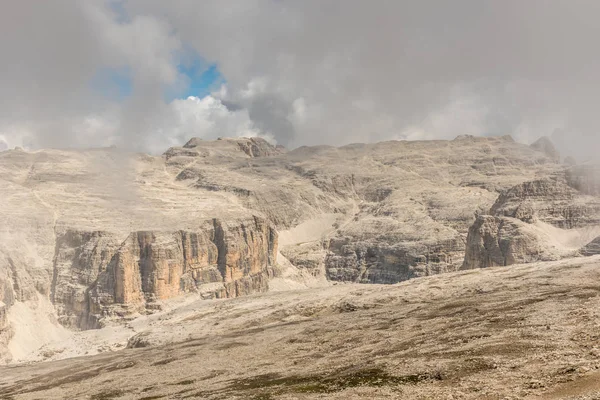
97	237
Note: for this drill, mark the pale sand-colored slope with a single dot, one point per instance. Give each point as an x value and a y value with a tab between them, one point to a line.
527	331
309	230
39	337
555	243
565	241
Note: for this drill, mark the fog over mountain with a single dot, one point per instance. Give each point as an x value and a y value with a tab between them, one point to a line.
299	73
284	199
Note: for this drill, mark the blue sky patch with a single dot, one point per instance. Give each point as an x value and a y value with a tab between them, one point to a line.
199	79
203	78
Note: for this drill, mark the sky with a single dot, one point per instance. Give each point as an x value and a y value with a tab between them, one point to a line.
148	74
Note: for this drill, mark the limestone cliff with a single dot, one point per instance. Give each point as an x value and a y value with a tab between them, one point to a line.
545	145
499	241
549	200
104	233
81	257
384	262
592	248
6	333
96	277
538	220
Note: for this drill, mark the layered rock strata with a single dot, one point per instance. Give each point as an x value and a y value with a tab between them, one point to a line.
102	233
5	331
540	220
95	276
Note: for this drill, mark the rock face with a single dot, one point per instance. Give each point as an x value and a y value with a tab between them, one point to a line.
591	249
550	200
104	234
381	262
585	178
3	317
96	277
539	220
5	331
545	145
81	258
252	147
500	241
4	327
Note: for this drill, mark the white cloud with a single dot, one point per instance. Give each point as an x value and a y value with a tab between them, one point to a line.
202	117
181	119
466	115
302	72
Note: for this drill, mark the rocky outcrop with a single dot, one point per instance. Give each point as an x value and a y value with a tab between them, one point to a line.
534	221
3	316
81	257
591	249
251	147
5	331
382	262
258	147
585	178
545	145
500	241
102	233
97	277
549	200
309	257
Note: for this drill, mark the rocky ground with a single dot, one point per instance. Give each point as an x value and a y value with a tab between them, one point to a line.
237	269
528	331
101	234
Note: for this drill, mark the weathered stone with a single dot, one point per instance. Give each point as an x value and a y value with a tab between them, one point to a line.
102	233
500	241
81	258
550	200
514	231
591	249
5	332
3	317
251	147
364	262
95	276
545	145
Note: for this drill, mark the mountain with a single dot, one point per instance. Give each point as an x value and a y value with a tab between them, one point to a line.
341	271
100	234
528	331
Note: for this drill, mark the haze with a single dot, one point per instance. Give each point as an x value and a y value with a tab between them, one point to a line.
145	75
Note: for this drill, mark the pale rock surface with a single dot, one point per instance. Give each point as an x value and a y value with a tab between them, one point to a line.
545	145
592	248
539	220
585	178
96	276
5	331
103	234
169	256
525	332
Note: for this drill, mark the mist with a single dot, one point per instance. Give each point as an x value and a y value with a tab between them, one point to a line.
300	73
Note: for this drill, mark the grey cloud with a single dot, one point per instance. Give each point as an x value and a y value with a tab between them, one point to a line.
318	71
